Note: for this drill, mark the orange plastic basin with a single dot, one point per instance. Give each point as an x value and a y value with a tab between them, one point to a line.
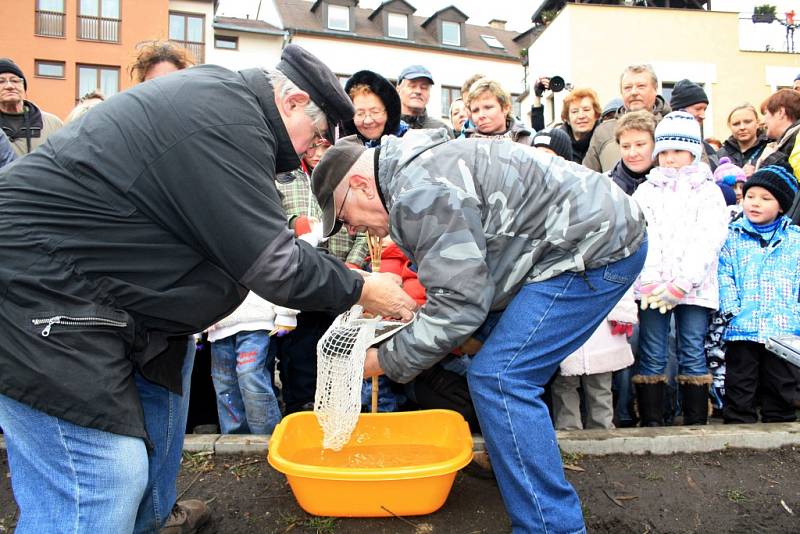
400	463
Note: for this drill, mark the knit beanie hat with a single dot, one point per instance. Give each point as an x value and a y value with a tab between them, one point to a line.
556	140
727	173
685	93
777	180
7	65
678	131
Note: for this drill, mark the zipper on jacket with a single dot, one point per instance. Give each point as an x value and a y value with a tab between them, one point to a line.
75	321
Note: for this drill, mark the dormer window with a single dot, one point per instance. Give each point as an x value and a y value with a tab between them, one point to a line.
397	25
451	33
339	18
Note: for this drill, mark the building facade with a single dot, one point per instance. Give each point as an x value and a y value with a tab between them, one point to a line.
589	45
68	48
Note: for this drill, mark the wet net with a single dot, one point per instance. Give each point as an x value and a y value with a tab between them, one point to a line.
340	370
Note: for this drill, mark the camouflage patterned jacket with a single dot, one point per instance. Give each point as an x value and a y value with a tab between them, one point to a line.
482	217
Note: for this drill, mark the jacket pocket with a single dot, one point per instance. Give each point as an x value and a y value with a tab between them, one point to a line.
55	323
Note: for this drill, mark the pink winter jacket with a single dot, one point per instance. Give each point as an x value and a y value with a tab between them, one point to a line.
687	223
604	351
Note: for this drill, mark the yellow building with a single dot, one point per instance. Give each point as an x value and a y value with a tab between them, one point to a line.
590	45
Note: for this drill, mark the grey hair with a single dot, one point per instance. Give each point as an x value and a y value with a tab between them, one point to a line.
638	69
284	86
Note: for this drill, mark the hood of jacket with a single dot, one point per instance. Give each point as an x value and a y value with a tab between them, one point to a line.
396	155
692	175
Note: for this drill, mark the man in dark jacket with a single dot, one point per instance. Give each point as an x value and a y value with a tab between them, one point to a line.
690	97
414	87
150	218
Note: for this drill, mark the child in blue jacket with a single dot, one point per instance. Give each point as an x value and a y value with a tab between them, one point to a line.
759	282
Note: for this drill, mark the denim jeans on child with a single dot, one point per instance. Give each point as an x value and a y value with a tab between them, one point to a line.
240	370
544	323
691	324
79	479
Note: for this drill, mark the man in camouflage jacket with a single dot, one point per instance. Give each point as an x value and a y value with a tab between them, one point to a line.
527	251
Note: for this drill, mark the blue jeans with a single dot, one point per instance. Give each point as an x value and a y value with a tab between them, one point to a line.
240	369
72	479
544	323
691	325
165	415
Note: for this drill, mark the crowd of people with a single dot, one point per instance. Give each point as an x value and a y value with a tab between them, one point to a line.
615	269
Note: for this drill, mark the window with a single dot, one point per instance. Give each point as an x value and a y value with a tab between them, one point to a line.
49	69
666	90
449	94
50	18
397	25
339	18
227	42
343	79
97	78
492	41
451	33
98	20
188	30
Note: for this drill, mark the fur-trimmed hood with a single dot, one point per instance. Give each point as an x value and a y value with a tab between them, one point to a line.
385	91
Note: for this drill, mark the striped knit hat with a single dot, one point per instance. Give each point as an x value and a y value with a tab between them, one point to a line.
678	131
777	180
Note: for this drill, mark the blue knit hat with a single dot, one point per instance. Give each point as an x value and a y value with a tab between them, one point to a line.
678	131
779	181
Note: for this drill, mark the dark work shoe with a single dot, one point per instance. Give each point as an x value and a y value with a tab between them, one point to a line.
187	517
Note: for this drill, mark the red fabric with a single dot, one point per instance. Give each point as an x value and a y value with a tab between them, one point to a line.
302	226
392	260
412	285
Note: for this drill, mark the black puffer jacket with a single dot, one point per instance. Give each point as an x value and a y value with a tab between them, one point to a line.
730	149
150	218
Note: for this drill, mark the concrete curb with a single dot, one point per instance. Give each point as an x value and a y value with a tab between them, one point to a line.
664	440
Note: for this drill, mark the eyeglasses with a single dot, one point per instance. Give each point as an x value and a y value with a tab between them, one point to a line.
373	114
341	208
12	81
317	143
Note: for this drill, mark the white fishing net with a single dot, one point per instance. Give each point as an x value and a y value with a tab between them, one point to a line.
340	370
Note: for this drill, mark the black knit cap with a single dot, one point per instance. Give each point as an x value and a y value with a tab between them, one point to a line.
328	173
7	65
686	93
315	78
387	94
778	180
556	140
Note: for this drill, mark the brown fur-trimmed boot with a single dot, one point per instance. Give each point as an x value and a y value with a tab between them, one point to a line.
694	398
650	397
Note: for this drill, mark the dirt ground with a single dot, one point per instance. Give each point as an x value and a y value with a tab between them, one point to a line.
733	491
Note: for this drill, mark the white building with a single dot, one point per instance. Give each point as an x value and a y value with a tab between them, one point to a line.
385	40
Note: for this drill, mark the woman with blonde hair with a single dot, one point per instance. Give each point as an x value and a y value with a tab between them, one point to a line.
747	141
490	112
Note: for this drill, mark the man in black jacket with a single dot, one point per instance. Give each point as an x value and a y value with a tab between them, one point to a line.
149	219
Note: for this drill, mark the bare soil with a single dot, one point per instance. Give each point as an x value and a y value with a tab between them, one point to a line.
733	491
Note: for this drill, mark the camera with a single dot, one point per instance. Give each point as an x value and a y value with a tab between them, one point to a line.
557	84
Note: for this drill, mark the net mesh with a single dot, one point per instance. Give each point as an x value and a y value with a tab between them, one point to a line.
340	369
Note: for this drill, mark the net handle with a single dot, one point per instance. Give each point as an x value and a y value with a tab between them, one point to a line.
375	244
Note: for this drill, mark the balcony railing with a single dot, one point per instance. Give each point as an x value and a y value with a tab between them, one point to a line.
98	29
197	50
777	36
49	23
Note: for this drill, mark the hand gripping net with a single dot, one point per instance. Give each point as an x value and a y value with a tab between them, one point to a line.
340	369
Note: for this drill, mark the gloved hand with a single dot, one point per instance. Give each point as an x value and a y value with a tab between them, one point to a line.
618	328
668	295
646	290
280	331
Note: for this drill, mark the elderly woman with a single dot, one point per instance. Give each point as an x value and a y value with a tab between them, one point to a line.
581	114
377	106
490	112
746	143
